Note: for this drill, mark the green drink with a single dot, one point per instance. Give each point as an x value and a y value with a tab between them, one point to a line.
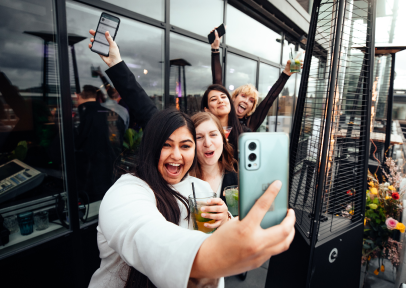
195	205
232	199
295	65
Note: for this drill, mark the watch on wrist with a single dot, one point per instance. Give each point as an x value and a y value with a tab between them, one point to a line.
215	50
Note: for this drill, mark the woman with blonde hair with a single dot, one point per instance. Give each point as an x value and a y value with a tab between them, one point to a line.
245	98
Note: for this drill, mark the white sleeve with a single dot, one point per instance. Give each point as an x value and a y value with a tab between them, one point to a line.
138	232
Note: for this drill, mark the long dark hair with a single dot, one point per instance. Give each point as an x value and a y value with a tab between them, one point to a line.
227	161
157	131
232	116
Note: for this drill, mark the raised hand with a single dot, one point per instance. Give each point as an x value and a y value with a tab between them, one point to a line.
287	68
114	54
243	245
217	40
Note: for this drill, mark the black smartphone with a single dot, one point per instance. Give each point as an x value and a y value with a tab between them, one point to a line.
221	30
109	23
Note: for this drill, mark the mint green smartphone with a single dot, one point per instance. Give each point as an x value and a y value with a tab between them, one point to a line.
263	158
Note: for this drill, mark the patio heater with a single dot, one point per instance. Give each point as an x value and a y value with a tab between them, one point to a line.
329	150
180	102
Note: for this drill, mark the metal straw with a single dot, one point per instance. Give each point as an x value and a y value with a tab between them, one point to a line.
194	195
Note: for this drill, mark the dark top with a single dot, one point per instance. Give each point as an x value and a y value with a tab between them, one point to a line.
230	178
98	142
254	121
140	106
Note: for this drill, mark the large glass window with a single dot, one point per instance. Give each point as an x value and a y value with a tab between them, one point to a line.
240	71
285	105
151	8
268	75
199	17
247	34
190	62
32	179
101	120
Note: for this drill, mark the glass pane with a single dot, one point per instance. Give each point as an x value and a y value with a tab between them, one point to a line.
190	72
151	8
240	71
100	132
268	75
193	15
285	106
288	48
32	179
247	34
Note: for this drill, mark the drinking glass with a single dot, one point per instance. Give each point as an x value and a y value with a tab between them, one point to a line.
227	130
232	199
295	64
41	220
195	204
26	223
11	224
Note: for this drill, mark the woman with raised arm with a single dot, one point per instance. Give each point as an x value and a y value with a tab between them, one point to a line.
144	236
245	98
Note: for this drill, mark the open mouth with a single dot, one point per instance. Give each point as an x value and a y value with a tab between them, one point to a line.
241	108
209	154
173	169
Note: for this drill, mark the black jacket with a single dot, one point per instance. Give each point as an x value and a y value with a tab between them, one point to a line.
140	106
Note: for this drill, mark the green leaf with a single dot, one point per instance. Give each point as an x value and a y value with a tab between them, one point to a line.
126	145
376	201
378	221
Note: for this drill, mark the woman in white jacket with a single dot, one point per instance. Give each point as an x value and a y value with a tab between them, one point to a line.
144	236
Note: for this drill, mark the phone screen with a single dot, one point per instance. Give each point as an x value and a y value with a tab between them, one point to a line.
107	23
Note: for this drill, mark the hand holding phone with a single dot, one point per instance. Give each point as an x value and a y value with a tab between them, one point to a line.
220	31
114	54
106	23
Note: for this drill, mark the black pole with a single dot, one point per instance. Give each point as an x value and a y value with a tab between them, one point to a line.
367	100
326	136
301	100
167	66
75	69
184	88
45	73
390	105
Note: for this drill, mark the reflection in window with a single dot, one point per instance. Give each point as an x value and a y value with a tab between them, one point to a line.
151	8
190	72
199	17
240	71
32	182
268	75
249	35
285	105
100	116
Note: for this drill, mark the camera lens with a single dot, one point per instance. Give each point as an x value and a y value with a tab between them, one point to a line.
252	157
252	146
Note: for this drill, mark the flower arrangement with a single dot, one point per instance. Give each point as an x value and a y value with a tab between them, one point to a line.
383	207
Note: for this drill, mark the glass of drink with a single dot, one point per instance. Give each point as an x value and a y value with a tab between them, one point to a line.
295	64
195	204
232	199
227	130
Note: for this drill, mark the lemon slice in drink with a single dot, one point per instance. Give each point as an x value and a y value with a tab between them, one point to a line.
199	217
297	61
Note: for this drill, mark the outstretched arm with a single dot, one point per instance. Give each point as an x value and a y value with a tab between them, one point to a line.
141	107
215	60
262	110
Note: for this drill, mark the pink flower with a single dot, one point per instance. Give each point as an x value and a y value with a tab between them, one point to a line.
391	223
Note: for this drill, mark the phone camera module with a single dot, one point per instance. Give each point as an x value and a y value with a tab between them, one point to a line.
102	19
252	156
252	146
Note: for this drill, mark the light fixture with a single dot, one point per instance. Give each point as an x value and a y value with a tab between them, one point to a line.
231	87
145	71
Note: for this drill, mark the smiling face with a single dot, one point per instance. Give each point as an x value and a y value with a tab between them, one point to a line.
218	103
243	104
177	155
209	143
